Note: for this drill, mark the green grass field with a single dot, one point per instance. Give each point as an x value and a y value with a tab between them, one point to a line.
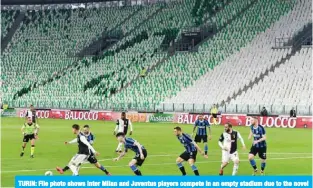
289	150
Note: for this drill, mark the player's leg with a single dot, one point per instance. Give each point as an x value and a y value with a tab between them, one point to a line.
205	142
133	166
191	162
262	155
235	158
25	140
32	149
179	161
225	161
252	153
93	160
76	162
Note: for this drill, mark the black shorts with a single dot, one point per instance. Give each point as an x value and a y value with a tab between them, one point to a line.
138	159
92	159
200	138
261	151
186	155
28	137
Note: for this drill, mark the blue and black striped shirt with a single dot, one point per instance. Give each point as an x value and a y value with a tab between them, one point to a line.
90	138
186	140
258	133
202	127
130	144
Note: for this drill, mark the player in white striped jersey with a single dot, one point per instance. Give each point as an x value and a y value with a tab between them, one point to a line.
122	127
228	144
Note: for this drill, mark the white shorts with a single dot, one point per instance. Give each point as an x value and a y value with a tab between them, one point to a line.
226	156
78	159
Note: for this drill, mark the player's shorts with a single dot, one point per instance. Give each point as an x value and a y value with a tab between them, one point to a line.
138	159
189	155
92	159
28	137
200	138
226	156
79	159
261	151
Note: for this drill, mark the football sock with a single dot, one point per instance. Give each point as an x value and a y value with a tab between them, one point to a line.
253	164
23	147
65	168
103	169
263	164
195	170
235	169
32	150
181	168
206	148
135	170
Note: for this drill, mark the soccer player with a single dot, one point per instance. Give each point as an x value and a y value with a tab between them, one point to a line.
202	134
31	113
30	131
92	158
259	145
228	144
141	152
84	151
190	154
122	127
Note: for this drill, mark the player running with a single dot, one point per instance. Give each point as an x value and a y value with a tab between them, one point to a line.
31	113
30	131
202	124
122	127
141	152
259	145
190	154
228	144
84	151
92	158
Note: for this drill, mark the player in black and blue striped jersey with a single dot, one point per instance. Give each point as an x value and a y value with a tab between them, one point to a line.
202	134
259	145
190	154
140	150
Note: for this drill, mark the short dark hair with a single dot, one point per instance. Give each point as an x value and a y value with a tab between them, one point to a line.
229	125
75	126
177	128
123	113
120	134
86	126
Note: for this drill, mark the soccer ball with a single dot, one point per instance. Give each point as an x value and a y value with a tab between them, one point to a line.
48	173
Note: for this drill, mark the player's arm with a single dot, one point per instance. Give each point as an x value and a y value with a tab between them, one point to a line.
121	155
116	127
36	131
72	141
220	142
250	135
23	129
131	127
210	132
92	140
193	130
239	137
85	141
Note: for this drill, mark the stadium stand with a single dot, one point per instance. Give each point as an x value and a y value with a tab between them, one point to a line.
47	63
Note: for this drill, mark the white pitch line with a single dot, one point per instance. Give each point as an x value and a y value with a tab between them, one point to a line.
155	164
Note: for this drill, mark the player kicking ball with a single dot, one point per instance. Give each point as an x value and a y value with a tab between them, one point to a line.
30	131
190	154
141	152
92	158
84	151
228	144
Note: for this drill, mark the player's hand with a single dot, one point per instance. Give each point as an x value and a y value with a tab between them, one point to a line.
65	143
255	142
36	137
97	153
131	132
225	148
244	147
210	137
205	156
142	157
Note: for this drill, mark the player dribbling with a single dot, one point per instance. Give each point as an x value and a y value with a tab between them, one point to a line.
228	144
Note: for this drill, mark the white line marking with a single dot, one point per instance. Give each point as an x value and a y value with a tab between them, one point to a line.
173	163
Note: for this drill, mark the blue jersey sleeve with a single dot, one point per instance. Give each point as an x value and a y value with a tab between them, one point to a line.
92	136
187	138
196	123
207	123
263	130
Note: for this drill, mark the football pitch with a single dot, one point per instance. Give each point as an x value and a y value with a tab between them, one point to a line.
289	150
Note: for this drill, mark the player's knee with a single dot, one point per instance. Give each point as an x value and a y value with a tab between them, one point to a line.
251	157
33	145
263	160
191	162
131	163
179	160
97	165
236	161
